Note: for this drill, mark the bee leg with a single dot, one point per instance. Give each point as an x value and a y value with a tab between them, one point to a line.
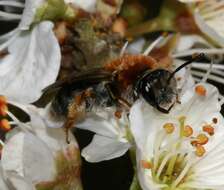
116	98
74	111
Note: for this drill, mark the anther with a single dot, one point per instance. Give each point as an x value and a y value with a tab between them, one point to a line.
200	150
202	139
215	120
146	164
200	90
4	125
169	128
188	131
3	110
3	100
118	114
208	129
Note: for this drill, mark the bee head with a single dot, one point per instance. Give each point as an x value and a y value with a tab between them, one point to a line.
154	88
159	87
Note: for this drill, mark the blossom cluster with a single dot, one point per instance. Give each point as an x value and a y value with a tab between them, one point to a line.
172	126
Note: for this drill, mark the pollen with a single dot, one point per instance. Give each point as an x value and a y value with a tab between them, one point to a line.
215	120
146	164
3	110
200	90
188	131
3	100
169	128
118	114
4	125
200	150
208	129
202	139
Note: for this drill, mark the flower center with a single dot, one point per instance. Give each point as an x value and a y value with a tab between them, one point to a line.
175	152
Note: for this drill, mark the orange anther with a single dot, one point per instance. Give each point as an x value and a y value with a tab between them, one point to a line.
200	90
3	110
169	127
200	150
188	131
118	114
146	164
215	120
202	139
4	125
208	129
3	100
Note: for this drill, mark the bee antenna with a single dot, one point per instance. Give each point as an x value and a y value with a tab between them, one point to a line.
194	57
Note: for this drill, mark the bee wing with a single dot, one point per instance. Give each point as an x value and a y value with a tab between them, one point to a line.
90	76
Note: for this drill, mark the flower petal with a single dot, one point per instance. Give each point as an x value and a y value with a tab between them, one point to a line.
29	13
3	184
33	60
103	148
101	122
26	155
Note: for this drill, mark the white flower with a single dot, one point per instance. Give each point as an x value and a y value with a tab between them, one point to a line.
32	54
209	16
112	137
182	149
32	63
38	156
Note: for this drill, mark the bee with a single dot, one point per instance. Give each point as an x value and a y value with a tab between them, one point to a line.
118	83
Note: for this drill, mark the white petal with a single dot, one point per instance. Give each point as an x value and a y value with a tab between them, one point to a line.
144	120
53	137
100	122
194	106
3	184
32	64
212	32
17	182
27	156
186	42
103	148
29	13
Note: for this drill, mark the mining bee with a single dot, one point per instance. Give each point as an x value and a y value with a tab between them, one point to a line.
118	83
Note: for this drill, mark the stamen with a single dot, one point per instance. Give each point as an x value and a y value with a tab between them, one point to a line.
202	139
205	78
200	150
209	129
193	51
5	125
155	43
2	143
3	100
163	164
118	114
215	120
188	131
146	164
182	174
20	124
200	90
169	128
3	110
124	49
